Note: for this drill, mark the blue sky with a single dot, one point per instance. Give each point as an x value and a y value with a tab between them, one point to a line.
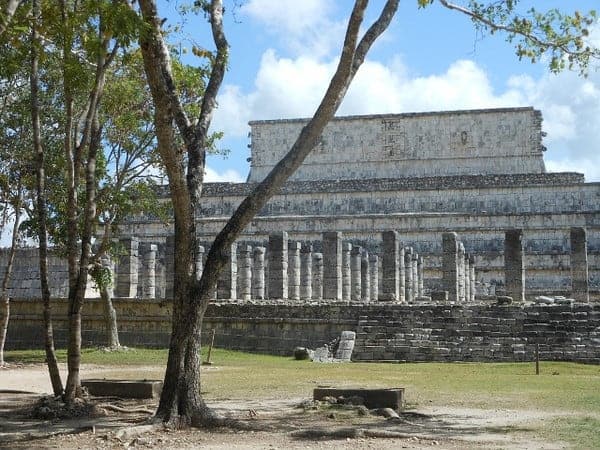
283	53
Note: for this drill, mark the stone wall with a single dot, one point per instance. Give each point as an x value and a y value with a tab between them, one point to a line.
395	145
541	193
25	280
426	332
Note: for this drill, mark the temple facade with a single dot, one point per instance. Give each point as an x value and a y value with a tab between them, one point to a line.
477	173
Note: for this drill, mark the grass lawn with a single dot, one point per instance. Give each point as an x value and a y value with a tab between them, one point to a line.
572	389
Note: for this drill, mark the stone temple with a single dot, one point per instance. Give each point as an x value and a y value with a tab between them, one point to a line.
477	173
414	231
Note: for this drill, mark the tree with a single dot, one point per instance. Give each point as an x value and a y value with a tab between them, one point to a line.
41	206
181	402
16	203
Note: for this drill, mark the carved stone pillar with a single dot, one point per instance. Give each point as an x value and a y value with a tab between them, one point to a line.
579	265
332	265
450	265
278	265
306	263
258	274
514	265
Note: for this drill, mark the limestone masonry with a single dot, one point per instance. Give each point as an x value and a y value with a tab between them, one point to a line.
407	145
476	173
422	225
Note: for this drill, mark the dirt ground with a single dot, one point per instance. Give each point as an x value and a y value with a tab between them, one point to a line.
277	423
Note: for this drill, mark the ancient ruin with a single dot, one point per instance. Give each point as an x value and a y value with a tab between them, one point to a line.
440	231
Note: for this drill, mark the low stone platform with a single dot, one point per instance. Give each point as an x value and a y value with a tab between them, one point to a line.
373	398
123	388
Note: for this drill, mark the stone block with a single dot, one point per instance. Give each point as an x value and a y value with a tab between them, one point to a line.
123	388
373	398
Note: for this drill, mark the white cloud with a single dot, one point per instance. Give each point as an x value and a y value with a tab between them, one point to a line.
230	175
380	89
304	27
591	168
571	109
290	16
283	88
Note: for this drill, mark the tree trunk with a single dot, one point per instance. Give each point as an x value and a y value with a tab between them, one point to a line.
110	316
82	158
42	211
4	297
77	295
181	400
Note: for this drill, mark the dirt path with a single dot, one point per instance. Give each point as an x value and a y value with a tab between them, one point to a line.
288	426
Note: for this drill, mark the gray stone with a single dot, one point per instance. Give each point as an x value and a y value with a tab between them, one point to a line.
579	264
278	265
514	265
258	273
306	277
450	267
332	266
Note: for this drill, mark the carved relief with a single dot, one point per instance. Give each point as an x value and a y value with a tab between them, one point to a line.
462	141
395	142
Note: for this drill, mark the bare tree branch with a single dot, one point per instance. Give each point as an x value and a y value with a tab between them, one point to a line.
162	57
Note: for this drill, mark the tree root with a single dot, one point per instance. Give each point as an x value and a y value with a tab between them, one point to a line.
141	409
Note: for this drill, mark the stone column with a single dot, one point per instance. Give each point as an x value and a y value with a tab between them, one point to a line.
294	270
169	265
460	258
514	265
317	286
374	276
450	265
415	275
127	274
245	272
306	263
467	279
278	265
346	271
149	266
355	269
420	275
472	277
258	273
227	283
199	262
408	274
392	265
579	265
365	280
332	265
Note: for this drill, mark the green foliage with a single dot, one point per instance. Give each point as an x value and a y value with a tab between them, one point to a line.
102	276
